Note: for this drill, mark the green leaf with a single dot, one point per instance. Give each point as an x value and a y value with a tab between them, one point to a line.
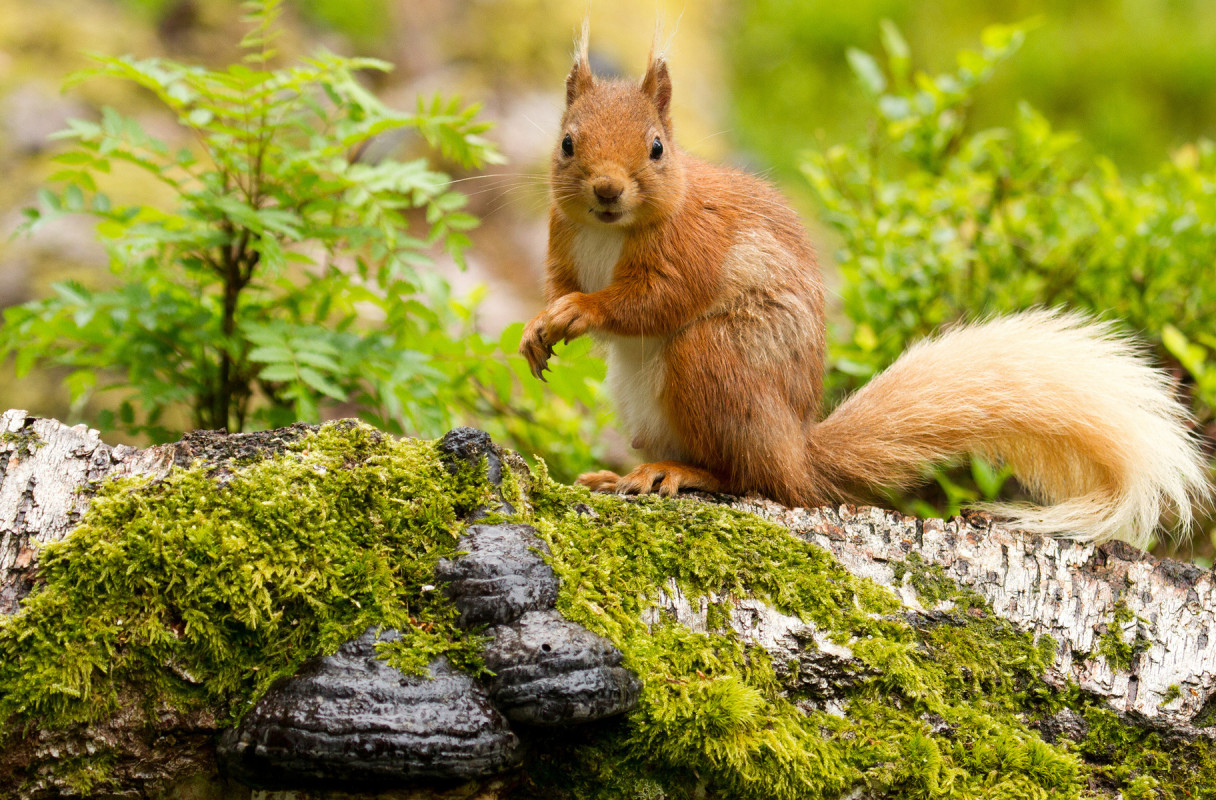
74	157
867	70
1192	356
48	200
898	54
199	117
26	358
318	360
321	383
73	198
988	480
80	383
271	354
1002	38
73	293
508	341
279	372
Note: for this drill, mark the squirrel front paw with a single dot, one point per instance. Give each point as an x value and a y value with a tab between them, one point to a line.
566	318
533	348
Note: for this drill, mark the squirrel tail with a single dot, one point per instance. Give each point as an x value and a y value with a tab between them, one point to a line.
1075	409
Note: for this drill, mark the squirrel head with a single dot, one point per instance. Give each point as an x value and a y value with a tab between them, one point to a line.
615	163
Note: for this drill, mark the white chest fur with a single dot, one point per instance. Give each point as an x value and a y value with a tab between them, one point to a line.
637	375
596	251
636	370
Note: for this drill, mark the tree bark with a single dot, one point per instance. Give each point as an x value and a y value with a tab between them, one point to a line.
1076	593
46	469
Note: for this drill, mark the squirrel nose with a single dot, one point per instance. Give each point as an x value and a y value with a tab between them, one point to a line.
607	189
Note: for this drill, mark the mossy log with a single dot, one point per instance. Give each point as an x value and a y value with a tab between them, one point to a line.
150	597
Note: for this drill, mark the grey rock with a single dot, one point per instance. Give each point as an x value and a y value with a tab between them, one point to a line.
353	721
500	575
550	671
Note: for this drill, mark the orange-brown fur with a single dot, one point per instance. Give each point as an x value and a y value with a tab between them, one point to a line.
704	287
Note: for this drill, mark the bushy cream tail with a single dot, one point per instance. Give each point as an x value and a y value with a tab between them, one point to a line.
1086	423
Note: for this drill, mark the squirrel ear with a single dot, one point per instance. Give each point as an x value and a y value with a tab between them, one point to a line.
657	84
580	78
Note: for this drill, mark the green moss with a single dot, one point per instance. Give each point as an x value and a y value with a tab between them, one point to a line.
1206	718
717	616
510	487
85	774
932	586
24	442
203	592
1142	763
1117	651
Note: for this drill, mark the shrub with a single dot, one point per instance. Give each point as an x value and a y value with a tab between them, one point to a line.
939	222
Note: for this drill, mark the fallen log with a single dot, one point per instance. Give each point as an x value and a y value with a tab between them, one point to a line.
835	652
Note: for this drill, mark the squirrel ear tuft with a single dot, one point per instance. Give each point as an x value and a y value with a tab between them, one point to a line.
657	84
580	78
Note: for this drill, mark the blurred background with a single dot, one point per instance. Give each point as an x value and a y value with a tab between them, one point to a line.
1077	124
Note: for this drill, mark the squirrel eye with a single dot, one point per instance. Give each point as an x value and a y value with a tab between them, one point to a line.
568	145
656	149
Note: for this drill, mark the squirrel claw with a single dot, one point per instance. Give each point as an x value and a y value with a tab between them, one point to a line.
535	347
537	366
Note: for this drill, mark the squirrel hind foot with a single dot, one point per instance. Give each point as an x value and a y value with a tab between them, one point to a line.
664	477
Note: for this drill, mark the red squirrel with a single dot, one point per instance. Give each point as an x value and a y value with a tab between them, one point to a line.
702	285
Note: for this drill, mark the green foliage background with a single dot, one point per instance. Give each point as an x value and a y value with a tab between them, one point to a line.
1134	77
